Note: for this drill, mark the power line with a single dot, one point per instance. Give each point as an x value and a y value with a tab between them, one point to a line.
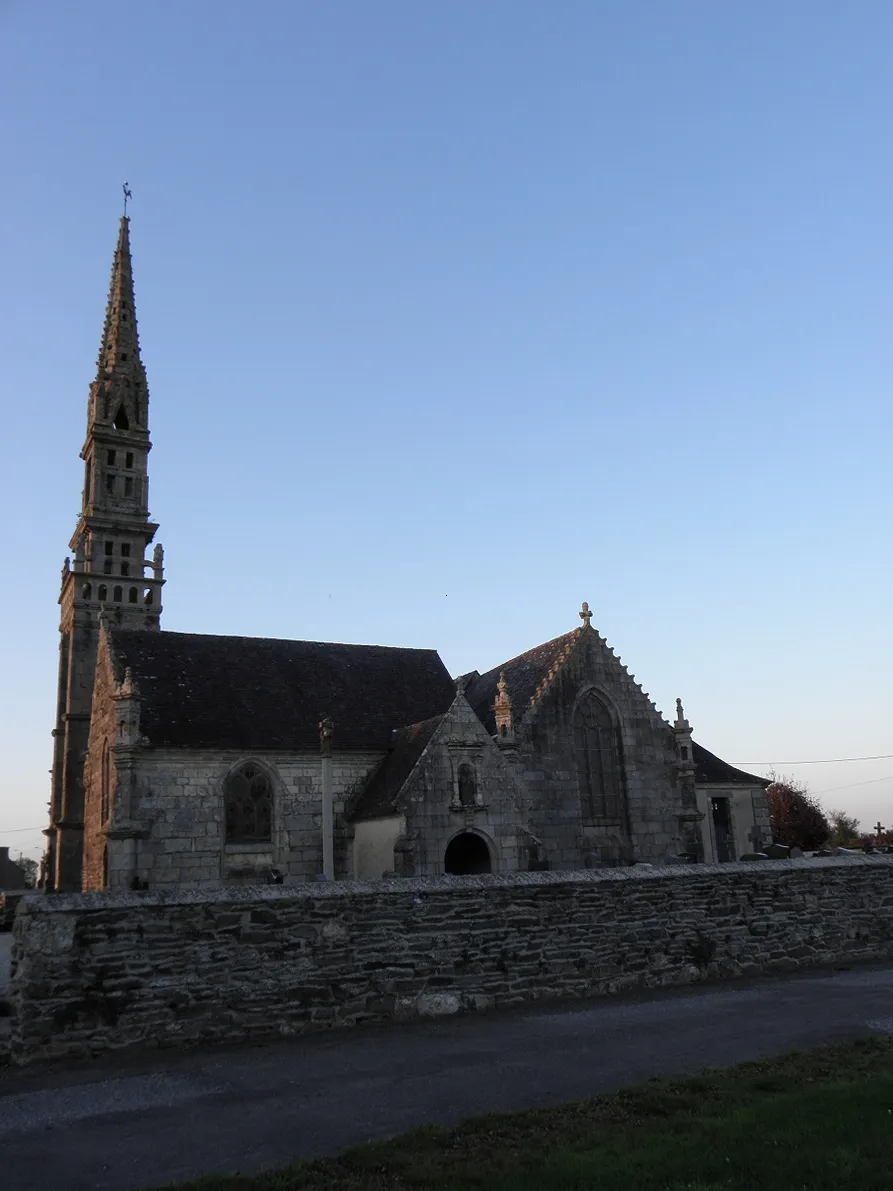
822	761
18	830
871	781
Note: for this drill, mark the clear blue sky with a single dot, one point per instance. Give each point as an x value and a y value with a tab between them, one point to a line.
457	314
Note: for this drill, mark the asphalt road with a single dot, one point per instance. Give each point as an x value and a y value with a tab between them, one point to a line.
172	1115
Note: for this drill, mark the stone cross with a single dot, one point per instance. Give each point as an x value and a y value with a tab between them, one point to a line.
879	828
585	614
755	835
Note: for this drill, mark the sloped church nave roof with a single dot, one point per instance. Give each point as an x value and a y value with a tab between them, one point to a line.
204	691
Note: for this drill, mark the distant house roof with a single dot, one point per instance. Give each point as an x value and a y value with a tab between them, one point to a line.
378	798
523	676
710	768
12	875
203	691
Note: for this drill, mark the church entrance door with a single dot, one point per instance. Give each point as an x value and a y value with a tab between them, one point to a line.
467	854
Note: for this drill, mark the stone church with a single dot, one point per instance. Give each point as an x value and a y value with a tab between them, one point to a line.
185	757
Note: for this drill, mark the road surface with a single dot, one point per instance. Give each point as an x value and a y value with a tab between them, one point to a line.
166	1115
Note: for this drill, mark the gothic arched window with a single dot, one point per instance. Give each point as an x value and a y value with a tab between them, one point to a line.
598	762
105	784
248	798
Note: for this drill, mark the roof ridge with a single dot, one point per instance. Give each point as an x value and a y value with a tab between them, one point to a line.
120	631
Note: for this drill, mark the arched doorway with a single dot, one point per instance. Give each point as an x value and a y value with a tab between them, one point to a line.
467	854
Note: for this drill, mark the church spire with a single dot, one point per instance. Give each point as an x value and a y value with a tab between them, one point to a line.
110	576
119	394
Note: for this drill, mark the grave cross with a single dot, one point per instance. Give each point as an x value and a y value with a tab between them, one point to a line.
755	835
879	828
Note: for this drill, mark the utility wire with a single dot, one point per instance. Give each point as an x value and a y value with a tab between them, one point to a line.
822	761
871	781
18	830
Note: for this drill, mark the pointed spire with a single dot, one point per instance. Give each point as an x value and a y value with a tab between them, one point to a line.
502	710
119	394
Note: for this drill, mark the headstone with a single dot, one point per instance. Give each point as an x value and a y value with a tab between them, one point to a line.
783	851
755	835
754	856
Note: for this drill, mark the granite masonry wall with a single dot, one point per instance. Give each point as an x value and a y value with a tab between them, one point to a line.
105	971
545	734
176	798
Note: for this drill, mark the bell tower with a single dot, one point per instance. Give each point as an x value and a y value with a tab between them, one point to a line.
109	570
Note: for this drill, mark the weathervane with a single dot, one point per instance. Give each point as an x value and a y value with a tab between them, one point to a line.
127	194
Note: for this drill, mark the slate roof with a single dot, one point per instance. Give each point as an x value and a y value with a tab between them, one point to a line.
523	676
710	768
203	691
379	797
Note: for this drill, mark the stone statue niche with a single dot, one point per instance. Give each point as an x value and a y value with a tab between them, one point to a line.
467	784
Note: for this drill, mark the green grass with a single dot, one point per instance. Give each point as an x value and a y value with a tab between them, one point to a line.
818	1119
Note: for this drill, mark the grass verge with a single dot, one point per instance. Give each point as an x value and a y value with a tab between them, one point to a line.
817	1119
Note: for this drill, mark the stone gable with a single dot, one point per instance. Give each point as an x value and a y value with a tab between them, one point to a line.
649	830
437	807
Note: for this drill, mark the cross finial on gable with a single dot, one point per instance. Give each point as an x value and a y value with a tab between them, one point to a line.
585	614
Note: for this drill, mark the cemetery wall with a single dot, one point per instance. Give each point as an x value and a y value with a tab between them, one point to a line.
102	971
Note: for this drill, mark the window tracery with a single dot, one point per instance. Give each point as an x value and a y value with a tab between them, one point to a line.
598	761
248	800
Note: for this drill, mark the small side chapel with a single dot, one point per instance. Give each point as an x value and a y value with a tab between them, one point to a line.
186	758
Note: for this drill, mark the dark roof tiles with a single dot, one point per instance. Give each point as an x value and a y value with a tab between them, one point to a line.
523	677
710	768
203	691
379	797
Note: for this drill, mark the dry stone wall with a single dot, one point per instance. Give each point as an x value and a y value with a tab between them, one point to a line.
94	972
